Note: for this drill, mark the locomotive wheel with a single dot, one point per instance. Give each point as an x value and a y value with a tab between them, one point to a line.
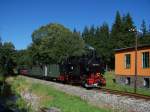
87	87
83	83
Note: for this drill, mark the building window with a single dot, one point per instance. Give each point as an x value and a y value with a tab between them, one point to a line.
127	61
145	60
146	82
128	81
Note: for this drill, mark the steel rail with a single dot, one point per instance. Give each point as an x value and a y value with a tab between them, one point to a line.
122	93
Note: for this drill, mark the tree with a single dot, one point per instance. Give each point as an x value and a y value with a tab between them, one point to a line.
116	32
7	56
143	28
102	39
0	56
85	34
0	42
7	64
22	57
88	35
145	37
54	43
99	39
128	37
68	46
44	39
120	36
116	38
76	32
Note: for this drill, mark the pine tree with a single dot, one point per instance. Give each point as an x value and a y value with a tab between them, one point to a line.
92	31
120	36
143	28
128	37
145	38
89	35
76	32
117	26
102	42
116	32
0	42
85	32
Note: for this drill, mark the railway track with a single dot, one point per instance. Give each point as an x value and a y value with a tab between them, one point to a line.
121	93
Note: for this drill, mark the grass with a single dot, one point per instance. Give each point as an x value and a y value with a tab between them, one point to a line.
111	85
50	97
10	98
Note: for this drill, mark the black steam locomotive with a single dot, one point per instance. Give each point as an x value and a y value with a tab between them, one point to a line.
86	70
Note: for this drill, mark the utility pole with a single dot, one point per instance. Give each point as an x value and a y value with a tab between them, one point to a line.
136	49
135	79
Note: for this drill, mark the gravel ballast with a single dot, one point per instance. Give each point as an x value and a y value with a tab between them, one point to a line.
116	103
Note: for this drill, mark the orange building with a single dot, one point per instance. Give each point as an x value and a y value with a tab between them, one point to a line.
125	66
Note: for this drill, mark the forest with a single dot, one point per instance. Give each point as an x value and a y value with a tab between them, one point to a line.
54	43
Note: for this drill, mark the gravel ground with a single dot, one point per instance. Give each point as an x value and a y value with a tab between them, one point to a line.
102	99
31	99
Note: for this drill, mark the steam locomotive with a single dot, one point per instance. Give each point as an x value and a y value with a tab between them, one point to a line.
86	70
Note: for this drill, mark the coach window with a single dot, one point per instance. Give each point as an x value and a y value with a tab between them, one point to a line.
145	60
127	61
146	82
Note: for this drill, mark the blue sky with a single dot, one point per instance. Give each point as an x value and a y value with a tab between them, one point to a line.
19	18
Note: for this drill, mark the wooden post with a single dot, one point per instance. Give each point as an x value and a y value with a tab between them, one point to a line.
135	77
136	48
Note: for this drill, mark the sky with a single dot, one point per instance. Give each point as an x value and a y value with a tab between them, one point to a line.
19	18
